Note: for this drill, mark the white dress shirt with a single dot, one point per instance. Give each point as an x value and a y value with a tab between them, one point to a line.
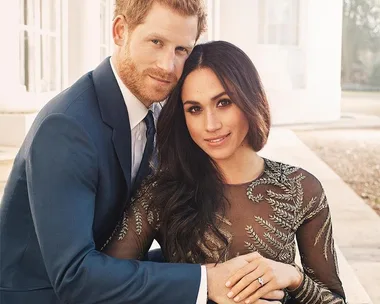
137	112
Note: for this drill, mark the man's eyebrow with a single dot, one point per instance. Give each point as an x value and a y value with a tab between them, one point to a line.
158	36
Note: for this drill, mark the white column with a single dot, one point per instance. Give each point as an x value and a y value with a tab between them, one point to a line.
213	20
83	37
324	44
216	20
324	55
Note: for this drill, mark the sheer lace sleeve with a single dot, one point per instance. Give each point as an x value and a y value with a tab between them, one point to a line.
321	282
136	231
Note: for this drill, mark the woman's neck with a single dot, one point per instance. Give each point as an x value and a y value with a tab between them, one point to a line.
242	167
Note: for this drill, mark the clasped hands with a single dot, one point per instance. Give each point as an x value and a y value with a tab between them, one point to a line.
251	279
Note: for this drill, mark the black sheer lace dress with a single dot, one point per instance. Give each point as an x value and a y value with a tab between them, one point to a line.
283	206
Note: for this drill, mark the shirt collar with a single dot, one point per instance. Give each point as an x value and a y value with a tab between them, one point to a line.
136	109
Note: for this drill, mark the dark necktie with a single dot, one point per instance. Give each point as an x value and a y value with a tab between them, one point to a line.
148	151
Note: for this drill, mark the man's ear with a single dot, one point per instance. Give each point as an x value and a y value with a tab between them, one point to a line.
119	30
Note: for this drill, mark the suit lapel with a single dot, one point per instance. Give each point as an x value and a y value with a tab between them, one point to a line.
114	113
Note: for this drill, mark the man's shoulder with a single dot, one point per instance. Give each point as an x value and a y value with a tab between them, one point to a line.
77	103
80	93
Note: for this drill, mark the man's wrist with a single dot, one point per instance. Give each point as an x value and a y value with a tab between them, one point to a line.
210	268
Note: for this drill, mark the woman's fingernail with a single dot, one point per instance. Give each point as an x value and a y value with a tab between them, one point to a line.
247	301
236	299
228	284
230	294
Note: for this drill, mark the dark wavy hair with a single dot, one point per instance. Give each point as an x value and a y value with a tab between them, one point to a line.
189	186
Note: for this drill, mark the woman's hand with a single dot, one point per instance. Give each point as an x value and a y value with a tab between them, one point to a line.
260	277
218	274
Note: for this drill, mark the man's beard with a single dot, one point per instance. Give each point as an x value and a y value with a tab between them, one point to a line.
134	81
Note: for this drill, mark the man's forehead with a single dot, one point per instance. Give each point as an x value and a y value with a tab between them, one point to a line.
166	21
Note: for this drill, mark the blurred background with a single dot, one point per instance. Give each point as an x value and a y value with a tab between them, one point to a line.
319	61
306	51
361	45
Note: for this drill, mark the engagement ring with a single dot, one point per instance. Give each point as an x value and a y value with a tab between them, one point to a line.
261	281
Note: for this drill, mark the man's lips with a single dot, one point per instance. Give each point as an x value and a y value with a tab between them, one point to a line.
160	79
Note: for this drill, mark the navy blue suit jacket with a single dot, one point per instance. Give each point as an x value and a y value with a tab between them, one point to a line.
68	187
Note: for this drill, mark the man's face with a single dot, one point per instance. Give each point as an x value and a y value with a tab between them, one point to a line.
152	56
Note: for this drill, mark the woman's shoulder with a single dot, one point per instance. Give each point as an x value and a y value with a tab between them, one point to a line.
305	189
288	173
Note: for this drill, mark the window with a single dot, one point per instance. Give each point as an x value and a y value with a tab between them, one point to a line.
105	28
40	45
279	22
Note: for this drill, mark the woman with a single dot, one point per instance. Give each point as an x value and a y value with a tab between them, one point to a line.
213	197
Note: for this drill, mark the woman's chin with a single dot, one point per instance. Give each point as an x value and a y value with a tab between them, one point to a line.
219	156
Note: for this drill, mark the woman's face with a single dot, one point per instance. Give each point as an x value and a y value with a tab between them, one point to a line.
215	123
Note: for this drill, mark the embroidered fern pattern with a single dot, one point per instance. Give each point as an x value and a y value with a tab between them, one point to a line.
274	208
259	243
124	226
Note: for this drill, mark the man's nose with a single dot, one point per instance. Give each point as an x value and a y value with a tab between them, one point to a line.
166	61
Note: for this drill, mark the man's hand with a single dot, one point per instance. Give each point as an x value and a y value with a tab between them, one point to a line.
218	275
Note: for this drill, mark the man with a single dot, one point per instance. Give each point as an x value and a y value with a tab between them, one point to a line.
86	152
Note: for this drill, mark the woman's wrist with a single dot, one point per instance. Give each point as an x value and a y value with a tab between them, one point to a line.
297	278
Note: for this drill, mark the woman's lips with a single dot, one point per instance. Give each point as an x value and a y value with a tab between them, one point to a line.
217	141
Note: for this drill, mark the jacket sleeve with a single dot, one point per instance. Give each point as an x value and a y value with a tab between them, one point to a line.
62	177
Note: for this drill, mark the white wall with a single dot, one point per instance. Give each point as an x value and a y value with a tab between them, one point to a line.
303	81
80	54
80	49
